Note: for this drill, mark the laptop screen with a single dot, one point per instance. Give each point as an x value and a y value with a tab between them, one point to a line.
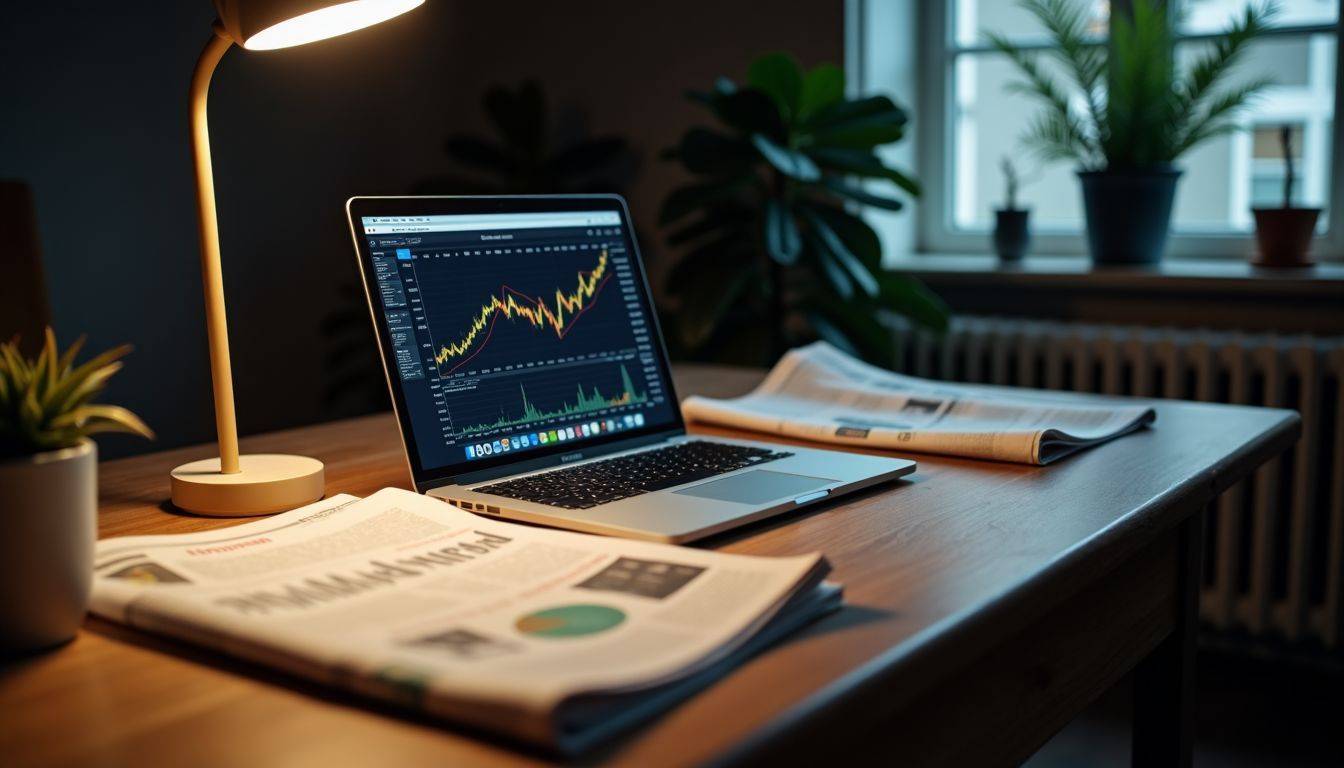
515	335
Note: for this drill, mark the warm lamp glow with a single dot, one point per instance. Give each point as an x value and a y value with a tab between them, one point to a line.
328	22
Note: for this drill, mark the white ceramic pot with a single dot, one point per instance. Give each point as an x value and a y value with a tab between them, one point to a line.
48	527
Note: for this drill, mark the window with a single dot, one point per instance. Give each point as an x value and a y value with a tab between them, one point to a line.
968	122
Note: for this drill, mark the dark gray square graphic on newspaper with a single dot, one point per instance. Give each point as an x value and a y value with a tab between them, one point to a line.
464	644
646	578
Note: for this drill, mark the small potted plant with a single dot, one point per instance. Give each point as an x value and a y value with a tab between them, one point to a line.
49	488
1284	234
1011	232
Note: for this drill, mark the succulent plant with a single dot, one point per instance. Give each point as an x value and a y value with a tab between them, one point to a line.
46	403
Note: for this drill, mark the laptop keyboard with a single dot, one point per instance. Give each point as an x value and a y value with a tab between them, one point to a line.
600	482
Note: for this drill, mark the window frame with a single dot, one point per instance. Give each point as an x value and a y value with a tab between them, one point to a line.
935	55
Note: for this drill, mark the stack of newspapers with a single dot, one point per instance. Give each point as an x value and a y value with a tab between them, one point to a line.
819	393
556	638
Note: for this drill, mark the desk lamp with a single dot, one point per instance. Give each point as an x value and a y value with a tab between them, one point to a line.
234	485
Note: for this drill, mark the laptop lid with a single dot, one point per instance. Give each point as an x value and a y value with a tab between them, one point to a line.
515	331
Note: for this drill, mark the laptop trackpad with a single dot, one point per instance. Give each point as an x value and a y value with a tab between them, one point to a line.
756	487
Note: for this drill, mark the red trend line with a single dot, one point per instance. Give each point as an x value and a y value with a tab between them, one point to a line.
560	334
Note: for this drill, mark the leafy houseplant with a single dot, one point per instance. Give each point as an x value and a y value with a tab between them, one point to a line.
534	147
773	255
536	150
1138	114
48	487
1012	234
1284	234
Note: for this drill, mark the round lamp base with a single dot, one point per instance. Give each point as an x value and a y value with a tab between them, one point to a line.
268	483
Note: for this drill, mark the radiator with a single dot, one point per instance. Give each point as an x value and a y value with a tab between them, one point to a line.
1274	554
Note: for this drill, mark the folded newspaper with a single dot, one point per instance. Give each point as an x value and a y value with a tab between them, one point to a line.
561	639
819	393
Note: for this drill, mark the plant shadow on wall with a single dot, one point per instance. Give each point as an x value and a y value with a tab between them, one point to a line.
773	256
534	149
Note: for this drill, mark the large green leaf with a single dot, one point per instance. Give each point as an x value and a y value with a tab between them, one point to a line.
858	323
832	334
862	240
749	111
858	194
861	162
777	74
722	87
837	277
908	296
789	162
863	133
822	87
834	247
782	240
841	112
710	153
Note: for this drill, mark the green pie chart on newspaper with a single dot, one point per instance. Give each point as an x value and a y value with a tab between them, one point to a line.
570	621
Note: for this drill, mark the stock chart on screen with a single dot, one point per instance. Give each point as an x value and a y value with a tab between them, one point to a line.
516	332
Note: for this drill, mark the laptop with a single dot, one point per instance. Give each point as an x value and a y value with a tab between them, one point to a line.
531	383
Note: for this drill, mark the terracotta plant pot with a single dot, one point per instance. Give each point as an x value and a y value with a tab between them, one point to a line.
1012	234
49	508
1284	236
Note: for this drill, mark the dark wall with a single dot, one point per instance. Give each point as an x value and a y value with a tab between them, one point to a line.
95	120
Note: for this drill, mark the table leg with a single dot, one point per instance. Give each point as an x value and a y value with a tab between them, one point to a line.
1164	682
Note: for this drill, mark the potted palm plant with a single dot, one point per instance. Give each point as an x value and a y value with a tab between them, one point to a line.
1284	234
48	488
773	253
1138	114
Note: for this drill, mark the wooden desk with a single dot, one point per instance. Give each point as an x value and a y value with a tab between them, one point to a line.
987	605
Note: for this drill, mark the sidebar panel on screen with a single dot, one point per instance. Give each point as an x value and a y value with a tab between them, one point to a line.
512	332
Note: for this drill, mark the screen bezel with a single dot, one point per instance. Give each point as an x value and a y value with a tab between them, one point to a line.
424	478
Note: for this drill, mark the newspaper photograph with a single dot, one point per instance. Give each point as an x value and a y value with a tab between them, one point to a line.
533	632
819	393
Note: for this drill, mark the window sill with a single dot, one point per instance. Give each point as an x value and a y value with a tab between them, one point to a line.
1180	275
1227	294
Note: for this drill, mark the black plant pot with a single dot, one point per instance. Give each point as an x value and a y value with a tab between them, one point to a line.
1011	233
1128	213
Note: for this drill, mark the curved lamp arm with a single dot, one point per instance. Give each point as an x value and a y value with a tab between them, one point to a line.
216	326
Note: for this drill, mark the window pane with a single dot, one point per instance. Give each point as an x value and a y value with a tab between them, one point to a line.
1268	172
1225	177
1210	16
971	17
988	125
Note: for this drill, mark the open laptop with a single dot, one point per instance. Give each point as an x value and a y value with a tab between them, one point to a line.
531	383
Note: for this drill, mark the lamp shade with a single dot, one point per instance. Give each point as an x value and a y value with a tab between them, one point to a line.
267	24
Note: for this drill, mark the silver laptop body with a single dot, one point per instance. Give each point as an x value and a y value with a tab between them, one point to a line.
518	338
